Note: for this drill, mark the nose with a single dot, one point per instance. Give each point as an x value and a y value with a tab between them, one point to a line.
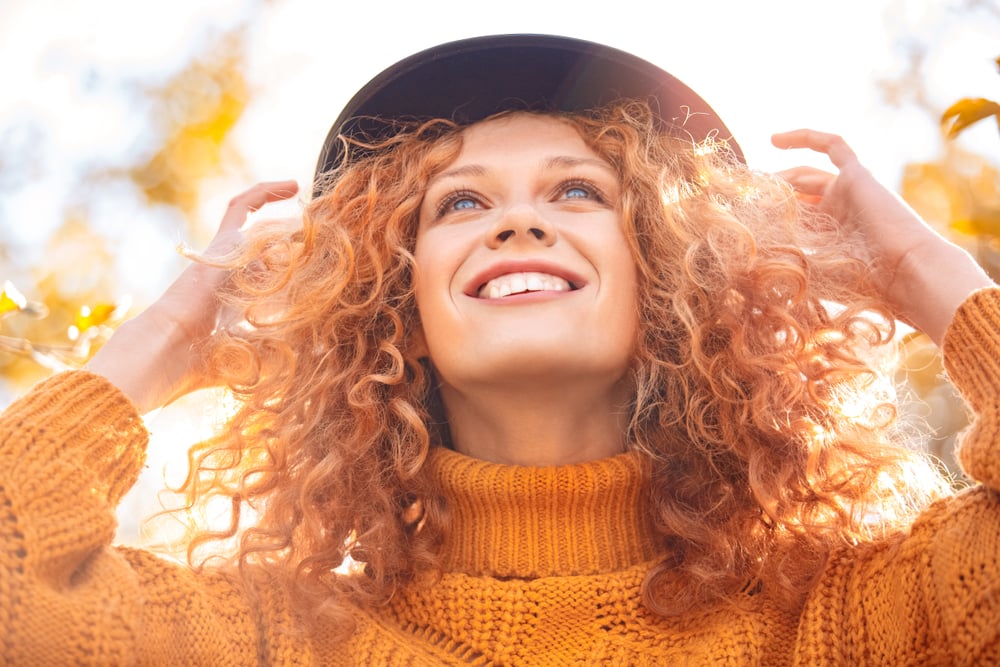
522	223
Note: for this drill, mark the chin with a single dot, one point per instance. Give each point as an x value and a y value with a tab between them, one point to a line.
539	365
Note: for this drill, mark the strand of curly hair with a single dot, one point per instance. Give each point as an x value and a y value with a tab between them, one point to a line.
758	396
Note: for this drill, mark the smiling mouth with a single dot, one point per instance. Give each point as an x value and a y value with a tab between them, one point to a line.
522	283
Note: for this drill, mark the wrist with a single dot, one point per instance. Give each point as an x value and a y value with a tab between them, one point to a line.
937	285
148	358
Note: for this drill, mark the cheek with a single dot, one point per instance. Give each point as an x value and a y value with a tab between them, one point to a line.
626	293
621	262
627	316
434	271
426	269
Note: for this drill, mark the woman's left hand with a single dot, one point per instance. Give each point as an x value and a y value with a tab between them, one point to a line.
923	277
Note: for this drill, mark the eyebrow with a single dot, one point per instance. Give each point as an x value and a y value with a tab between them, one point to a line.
567	161
559	161
460	172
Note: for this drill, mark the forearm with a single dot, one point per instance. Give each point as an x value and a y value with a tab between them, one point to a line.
146	359
938	278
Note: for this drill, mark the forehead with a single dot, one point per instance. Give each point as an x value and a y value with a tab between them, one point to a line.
520	132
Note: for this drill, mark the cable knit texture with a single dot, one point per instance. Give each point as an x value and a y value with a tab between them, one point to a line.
544	565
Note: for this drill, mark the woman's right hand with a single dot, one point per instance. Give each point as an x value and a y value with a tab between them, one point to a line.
922	276
155	357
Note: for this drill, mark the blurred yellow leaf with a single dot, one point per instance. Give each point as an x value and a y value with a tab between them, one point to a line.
960	191
92	316
920	363
932	405
966	112
199	107
965	226
11	300
186	132
985	224
930	188
37	337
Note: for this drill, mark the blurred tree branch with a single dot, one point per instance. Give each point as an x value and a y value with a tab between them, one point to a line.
76	297
959	194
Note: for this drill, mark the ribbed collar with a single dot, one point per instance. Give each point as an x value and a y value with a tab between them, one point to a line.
525	522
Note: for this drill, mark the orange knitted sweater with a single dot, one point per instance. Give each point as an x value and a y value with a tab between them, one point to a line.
543	565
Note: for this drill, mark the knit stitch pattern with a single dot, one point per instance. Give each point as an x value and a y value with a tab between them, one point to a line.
542	567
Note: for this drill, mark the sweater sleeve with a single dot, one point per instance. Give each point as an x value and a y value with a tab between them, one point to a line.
932	597
964	533
972	358
69	450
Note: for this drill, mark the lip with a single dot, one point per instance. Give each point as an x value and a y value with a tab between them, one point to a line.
521	266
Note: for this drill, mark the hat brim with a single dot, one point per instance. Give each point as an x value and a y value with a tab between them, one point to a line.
472	79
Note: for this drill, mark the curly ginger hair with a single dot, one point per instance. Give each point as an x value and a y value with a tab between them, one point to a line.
758	400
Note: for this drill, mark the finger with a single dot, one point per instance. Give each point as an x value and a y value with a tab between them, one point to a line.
832	145
249	201
808	180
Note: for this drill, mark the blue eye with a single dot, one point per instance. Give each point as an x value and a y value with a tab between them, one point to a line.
578	188
460	200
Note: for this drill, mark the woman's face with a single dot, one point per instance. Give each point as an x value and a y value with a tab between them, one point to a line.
523	270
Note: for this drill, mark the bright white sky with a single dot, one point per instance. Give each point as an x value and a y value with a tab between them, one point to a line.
764	66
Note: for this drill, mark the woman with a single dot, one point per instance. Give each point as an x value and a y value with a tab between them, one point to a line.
530	387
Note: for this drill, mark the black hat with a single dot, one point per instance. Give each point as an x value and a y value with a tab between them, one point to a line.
469	80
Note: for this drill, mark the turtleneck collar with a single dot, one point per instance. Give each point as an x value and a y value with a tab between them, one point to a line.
526	522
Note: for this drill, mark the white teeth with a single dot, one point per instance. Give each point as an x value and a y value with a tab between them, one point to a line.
516	283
